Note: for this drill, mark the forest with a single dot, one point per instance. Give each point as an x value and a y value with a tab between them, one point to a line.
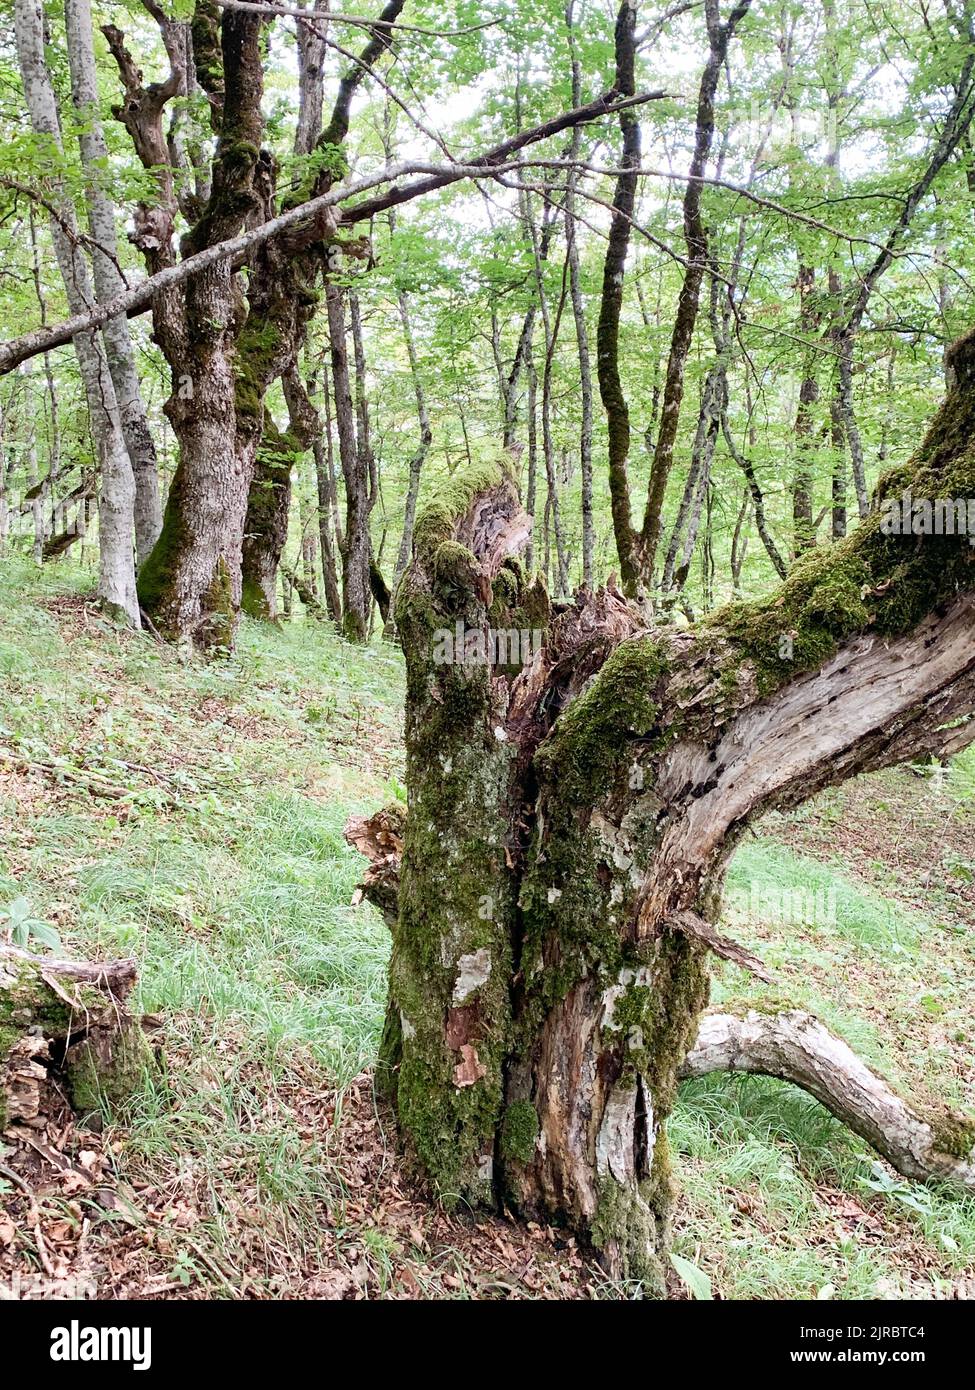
487	666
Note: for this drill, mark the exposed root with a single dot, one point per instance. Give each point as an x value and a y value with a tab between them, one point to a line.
919	1142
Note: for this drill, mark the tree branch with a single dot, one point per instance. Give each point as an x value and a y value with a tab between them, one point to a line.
920	1142
314	220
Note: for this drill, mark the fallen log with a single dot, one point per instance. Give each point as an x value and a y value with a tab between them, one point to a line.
66	1036
920	1140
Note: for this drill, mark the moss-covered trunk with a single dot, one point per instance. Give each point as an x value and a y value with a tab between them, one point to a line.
533	1039
576	784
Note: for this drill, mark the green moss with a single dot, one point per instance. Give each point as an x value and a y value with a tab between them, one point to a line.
8	1036
106	1070
258	349
438	517
155	577
593	738
253	599
574	900
519	1131
454	571
625	1226
871	580
207	55
953	1134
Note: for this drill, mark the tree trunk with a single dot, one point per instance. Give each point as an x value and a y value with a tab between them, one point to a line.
803	530
108	277
572	809
116	585
685	319
269	498
266	524
325	488
579	319
357	550
418	458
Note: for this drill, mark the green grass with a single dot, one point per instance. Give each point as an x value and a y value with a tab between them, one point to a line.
192	815
781	1201
226	875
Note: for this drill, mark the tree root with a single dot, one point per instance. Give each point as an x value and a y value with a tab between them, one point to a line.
921	1142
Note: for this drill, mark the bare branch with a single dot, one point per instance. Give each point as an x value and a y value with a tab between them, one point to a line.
920	1142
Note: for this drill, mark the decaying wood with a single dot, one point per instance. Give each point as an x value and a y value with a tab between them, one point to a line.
919	1142
380	839
65	1034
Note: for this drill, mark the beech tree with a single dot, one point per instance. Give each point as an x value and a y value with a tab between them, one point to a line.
117	496
554	884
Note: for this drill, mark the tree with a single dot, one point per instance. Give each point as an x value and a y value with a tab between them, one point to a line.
117	498
637	550
147	509
570	820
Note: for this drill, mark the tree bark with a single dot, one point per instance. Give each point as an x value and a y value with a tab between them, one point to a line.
108	278
116	585
357	548
570	818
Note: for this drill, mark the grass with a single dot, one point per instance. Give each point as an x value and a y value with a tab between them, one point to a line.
192	815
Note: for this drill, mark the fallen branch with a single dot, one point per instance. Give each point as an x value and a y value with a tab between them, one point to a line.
920	1142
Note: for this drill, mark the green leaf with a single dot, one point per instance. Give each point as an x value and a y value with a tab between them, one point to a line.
695	1279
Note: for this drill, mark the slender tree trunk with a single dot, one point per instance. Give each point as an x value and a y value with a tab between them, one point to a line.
327	504
579	319
418	457
685	320
116	585
531	487
357	551
550	328
108	278
803	531
611	306
4	473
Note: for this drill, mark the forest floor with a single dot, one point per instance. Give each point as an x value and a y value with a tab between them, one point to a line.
191	815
